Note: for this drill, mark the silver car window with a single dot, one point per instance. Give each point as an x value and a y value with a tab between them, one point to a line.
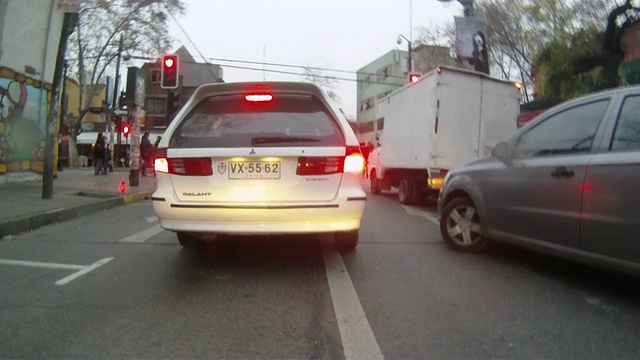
627	133
570	131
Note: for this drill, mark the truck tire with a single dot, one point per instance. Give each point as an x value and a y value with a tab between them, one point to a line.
406	192
375	183
346	240
460	226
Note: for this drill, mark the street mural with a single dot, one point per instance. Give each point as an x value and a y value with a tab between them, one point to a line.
24	105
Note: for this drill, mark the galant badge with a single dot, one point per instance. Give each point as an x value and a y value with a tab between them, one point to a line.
222	167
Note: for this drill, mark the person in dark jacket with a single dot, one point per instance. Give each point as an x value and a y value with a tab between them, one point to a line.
146	152
99	156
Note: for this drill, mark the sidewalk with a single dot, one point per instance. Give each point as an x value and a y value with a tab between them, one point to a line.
76	192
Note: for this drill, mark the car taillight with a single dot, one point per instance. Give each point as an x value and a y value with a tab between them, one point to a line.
191	166
318	165
352	162
182	166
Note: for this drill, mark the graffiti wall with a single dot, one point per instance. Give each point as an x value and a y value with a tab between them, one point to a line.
24	105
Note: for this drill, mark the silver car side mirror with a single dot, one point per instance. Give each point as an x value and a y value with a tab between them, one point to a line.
501	151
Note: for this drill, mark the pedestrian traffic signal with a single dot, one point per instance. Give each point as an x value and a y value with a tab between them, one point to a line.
125	130
169	77
414	77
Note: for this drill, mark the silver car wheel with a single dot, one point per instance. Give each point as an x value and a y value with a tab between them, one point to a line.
463	225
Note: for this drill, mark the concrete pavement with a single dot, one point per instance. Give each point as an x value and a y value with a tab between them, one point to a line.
77	192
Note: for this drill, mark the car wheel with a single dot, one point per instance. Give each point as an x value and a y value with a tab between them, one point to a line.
375	183
406	191
346	240
460	226
188	241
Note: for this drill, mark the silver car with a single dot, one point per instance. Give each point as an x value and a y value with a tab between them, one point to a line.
567	183
259	158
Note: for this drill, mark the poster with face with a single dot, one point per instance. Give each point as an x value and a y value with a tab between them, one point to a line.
471	44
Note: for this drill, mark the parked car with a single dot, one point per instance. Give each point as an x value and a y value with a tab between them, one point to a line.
567	183
259	158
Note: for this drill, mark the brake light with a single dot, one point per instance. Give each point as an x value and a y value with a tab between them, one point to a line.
259	97
352	162
182	166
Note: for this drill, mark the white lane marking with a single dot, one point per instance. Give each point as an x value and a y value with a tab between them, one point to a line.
414	211
41	264
142	236
151	219
84	271
358	339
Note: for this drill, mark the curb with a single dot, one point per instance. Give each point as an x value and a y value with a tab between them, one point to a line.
34	221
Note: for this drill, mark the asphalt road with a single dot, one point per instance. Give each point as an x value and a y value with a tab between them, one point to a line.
114	285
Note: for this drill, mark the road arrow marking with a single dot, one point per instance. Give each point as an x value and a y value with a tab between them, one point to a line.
142	236
84	271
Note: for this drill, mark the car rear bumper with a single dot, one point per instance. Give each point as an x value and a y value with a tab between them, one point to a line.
290	218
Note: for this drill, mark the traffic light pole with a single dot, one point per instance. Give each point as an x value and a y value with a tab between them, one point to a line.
51	126
134	172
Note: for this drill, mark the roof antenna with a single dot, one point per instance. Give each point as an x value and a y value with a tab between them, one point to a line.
264	57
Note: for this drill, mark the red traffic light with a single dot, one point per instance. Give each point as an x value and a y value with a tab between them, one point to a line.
414	77
169	76
125	130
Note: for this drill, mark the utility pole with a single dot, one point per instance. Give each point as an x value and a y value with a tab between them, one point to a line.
52	118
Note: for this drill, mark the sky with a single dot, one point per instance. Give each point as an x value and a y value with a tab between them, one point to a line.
335	34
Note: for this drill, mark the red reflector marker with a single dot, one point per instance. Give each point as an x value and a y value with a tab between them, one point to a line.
259	97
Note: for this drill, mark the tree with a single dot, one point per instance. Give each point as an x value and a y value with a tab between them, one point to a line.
326	83
95	45
556	63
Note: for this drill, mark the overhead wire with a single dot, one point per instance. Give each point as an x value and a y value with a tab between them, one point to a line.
294	73
282	65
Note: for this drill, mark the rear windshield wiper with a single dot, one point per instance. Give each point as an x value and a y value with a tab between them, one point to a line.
281	139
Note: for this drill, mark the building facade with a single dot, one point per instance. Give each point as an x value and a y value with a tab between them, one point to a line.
29	35
376	80
161	105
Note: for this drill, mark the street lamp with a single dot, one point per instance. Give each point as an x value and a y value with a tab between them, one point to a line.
399	41
467	6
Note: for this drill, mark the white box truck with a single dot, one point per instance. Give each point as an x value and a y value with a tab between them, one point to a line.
447	117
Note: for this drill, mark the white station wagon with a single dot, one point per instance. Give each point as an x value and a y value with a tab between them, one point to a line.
259	158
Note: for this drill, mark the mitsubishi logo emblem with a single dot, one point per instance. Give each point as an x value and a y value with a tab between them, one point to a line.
252	152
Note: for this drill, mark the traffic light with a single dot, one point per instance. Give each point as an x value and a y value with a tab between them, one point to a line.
414	77
169	77
125	130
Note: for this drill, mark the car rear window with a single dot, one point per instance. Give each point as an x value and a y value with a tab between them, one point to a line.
233	121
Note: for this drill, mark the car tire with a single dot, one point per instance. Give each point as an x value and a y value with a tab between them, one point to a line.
375	183
460	226
188	241
406	192
346	240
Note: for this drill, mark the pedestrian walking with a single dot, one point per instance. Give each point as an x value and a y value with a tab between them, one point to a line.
146	152
99	155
